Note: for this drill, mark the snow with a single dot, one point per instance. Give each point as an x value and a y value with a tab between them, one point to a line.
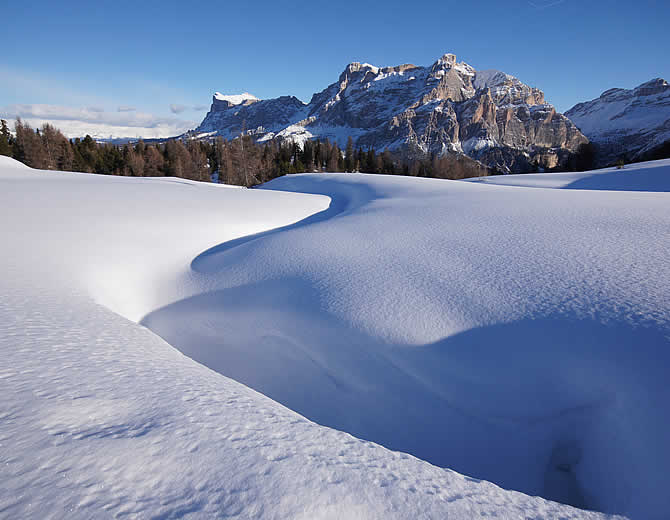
375	70
620	115
514	334
638	119
235	99
490	78
647	176
476	144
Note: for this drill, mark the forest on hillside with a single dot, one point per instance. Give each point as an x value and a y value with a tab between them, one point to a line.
240	161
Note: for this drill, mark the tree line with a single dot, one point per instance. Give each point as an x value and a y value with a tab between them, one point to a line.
240	161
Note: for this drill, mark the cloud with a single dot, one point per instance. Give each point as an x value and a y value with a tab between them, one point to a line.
124	108
543	4
95	109
177	109
79	121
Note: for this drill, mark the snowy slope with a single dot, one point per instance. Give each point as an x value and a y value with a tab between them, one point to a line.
626	122
513	334
647	176
103	419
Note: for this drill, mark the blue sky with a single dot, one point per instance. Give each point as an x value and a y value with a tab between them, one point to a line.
160	62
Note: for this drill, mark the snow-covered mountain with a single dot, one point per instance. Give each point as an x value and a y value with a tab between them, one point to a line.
628	123
445	107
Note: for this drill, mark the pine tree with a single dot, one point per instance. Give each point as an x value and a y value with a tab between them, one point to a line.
5	139
349	159
199	162
308	156
334	159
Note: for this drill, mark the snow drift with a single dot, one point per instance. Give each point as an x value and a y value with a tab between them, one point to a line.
515	334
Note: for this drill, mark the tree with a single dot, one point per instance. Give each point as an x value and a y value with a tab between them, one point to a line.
334	159
28	146
387	162
318	155
349	160
58	151
199	162
308	156
136	162
5	139
585	157
153	162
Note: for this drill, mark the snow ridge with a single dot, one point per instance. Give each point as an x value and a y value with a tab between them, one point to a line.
235	99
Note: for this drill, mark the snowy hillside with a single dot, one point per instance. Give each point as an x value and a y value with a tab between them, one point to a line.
646	176
514	334
624	122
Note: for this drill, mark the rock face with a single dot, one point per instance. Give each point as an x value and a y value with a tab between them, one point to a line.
230	115
627	124
446	107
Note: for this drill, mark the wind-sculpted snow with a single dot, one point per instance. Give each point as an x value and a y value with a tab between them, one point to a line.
100	418
513	334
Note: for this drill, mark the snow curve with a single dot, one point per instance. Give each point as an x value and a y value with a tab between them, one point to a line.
508	334
101	418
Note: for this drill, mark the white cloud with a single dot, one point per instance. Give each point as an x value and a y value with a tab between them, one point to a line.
177	109
79	121
545	3
124	108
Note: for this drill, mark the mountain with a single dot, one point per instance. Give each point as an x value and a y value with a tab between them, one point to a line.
446	107
632	124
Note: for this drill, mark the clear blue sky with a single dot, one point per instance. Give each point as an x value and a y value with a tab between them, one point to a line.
150	55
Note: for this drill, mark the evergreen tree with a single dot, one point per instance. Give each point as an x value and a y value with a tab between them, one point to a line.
5	139
334	158
349	159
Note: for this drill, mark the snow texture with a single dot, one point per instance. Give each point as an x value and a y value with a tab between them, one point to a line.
516	334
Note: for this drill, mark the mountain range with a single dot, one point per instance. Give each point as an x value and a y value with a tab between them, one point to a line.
631	124
450	107
445	107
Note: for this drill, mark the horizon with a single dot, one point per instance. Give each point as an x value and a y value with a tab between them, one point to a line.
121	74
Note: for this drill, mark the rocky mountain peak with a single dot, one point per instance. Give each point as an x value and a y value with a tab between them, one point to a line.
447	60
446	107
223	101
654	86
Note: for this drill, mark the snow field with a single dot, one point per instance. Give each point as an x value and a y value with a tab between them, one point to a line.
518	335
509	334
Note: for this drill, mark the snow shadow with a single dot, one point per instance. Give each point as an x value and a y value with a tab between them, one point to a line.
541	406
342	200
643	179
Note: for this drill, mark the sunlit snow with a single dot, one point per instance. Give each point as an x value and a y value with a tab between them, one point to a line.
514	334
